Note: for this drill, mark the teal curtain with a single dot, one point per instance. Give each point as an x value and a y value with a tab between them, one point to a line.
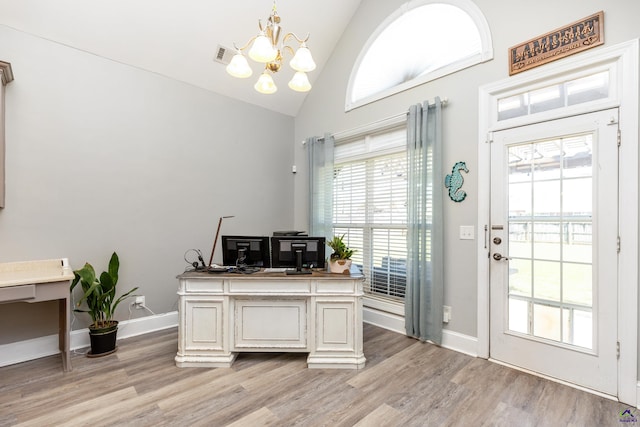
320	157
424	296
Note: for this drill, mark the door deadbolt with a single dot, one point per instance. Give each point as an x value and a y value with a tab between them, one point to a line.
497	240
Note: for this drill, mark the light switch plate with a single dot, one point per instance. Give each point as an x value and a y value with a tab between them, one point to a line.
467	232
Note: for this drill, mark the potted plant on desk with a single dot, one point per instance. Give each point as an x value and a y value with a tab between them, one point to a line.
99	295
340	259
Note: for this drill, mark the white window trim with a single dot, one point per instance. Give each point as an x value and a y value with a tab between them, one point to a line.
485	55
623	62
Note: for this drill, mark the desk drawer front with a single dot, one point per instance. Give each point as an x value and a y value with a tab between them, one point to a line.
204	286
17	293
270	286
337	286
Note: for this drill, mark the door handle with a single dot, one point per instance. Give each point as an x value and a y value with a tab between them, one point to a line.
499	257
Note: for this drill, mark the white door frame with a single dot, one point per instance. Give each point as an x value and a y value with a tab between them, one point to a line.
622	63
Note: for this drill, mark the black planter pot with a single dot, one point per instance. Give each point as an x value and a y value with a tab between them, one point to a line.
103	340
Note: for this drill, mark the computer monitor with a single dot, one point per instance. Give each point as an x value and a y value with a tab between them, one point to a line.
250	251
301	253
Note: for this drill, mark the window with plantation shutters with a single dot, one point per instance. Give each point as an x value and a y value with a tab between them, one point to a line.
370	207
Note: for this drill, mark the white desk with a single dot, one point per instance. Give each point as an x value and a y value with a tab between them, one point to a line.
36	281
223	314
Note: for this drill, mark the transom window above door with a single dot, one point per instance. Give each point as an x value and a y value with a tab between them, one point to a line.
421	41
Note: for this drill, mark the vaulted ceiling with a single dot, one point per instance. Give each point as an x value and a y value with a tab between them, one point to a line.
179	38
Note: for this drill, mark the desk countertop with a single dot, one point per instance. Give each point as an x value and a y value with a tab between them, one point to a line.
33	272
262	275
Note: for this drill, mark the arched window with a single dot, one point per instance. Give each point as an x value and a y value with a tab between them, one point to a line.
421	41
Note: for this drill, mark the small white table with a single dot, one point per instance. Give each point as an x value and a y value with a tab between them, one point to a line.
221	315
36	281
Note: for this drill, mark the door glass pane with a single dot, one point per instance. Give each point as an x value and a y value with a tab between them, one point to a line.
577	287
546	242
546	322
582	329
588	88
520	277
577	159
546	198
519	315
514	106
520	199
545	99
550	239
546	284
520	243
575	200
577	327
546	157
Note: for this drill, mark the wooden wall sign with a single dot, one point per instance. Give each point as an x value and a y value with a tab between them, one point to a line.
573	38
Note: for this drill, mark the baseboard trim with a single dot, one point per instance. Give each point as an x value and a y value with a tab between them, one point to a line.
384	320
36	348
451	340
460	342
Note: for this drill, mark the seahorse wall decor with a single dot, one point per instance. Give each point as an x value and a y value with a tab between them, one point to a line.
454	182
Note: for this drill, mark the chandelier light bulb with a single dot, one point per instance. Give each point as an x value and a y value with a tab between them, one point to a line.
265	84
262	50
239	67
300	82
302	60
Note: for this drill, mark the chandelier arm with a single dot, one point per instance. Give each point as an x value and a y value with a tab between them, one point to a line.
298	39
246	45
285	47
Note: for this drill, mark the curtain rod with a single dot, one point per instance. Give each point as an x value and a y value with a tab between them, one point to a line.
396	118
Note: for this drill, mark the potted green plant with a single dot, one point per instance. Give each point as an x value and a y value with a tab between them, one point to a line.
340	259
99	296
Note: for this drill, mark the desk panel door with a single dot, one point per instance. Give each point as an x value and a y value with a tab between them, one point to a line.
336	326
271	323
203	324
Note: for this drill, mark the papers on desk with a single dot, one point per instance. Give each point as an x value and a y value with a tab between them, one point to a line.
275	270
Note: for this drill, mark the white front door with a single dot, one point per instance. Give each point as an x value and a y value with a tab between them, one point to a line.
554	249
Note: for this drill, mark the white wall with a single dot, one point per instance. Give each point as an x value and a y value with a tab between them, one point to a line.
102	157
510	23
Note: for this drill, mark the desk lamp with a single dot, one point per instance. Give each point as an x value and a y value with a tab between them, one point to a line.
215	240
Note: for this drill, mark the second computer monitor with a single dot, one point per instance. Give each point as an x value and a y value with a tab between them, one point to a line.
297	252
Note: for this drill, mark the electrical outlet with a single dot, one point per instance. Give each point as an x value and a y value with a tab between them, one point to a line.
446	314
139	302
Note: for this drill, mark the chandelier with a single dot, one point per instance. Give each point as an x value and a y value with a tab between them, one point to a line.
266	48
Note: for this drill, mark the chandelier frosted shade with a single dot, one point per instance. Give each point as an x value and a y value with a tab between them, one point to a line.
302	60
262	50
265	84
239	67
300	82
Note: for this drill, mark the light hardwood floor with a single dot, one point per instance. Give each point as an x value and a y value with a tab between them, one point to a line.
404	383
